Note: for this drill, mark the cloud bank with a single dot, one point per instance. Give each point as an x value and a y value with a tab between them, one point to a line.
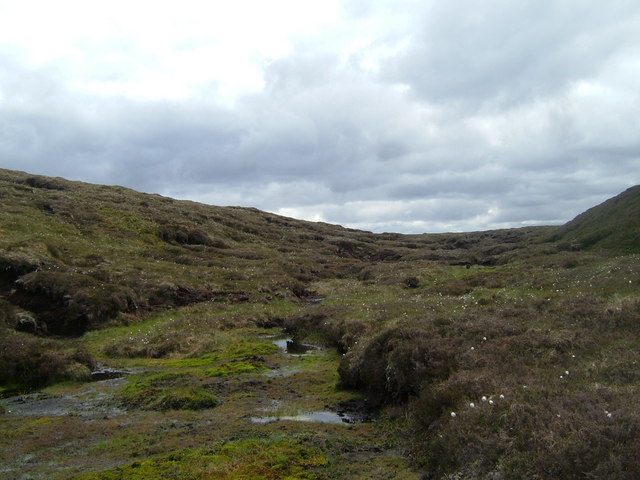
387	116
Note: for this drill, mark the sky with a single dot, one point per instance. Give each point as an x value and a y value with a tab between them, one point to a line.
382	115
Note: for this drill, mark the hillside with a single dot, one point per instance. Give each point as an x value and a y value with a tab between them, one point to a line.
145	337
614	224
79	255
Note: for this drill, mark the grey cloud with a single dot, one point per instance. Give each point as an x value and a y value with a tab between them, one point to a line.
502	52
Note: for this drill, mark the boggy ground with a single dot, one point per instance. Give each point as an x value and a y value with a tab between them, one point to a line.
210	409
496	355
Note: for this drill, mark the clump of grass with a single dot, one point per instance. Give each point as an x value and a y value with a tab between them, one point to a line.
167	391
267	459
150	345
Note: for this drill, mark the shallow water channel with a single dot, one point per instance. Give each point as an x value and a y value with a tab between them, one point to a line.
318	417
293	347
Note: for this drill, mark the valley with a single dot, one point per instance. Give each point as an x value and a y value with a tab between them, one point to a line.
143	337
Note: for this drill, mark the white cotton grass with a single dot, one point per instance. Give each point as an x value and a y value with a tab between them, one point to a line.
472	405
453	415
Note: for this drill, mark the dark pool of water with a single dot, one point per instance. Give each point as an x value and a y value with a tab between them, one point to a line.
104	373
293	347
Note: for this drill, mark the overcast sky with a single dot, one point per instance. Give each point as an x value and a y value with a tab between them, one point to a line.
385	115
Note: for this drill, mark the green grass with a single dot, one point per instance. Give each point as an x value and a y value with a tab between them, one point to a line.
250	459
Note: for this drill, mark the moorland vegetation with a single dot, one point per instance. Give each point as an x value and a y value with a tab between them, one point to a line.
502	354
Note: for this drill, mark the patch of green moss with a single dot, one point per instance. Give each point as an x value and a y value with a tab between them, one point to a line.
167	391
228	369
249	459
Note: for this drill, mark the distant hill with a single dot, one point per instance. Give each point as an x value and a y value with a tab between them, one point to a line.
614	224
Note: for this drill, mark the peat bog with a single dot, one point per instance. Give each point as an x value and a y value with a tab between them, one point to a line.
143	337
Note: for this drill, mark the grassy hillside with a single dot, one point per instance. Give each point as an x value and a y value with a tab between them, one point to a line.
614	224
492	355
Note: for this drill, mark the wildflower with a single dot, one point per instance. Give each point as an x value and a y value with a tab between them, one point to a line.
453	415
473	348
609	415
484	338
501	397
484	399
491	402
472	405
566	372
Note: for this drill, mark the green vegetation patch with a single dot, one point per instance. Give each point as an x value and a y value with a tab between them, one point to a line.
229	369
256	459
167	391
232	352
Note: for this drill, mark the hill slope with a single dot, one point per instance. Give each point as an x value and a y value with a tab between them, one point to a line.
614	224
78	255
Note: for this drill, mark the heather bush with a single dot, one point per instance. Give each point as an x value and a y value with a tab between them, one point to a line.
28	361
546	434
69	303
393	364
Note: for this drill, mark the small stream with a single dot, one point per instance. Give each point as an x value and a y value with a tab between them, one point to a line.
293	347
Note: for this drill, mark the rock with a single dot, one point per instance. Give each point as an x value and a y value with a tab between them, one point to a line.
26	323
